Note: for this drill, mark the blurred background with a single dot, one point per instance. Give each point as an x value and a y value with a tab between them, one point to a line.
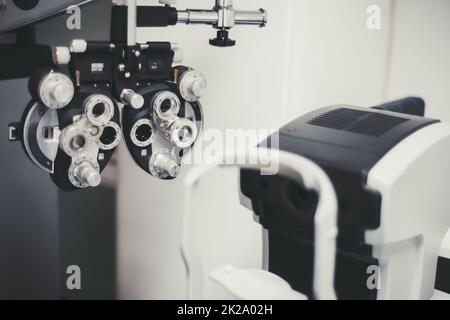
125	236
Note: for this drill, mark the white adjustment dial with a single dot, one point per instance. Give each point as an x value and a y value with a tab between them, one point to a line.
192	85
56	90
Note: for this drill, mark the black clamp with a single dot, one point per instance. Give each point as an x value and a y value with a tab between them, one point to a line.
222	39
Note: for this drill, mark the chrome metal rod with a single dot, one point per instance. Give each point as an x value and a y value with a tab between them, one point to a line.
257	18
211	17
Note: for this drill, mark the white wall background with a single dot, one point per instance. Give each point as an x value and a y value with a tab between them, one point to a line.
313	53
420	61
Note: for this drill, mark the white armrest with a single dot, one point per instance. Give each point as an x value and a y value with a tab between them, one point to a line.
254	284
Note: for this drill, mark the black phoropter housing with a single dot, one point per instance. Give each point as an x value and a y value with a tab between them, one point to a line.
121	66
127	66
101	68
15	61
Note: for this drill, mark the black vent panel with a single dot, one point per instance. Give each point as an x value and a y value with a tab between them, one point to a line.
358	121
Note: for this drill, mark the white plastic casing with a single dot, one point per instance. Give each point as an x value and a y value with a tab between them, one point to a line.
413	179
169	2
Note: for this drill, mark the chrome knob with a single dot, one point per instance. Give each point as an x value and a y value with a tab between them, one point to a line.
164	166
133	99
88	175
192	85
56	90
198	88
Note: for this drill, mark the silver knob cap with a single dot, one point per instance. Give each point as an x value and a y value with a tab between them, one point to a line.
133	99
88	175
192	85
198	88
164	166
56	90
60	93
173	170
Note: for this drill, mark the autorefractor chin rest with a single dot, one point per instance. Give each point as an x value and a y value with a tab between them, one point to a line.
390	173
